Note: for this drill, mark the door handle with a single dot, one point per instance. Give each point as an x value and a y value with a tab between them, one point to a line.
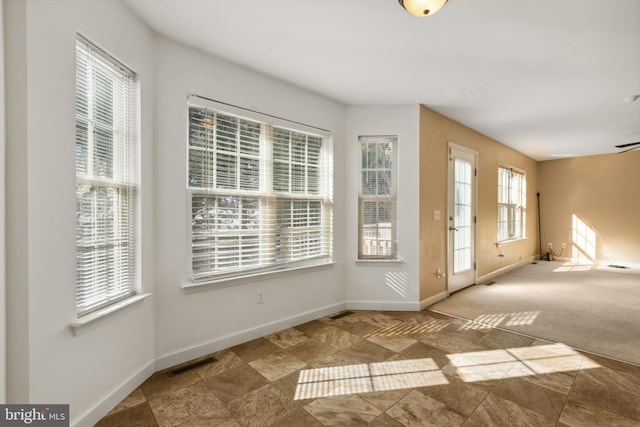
452	228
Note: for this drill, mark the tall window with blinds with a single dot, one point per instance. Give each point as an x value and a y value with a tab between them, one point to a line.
512	199
105	179
377	198
260	195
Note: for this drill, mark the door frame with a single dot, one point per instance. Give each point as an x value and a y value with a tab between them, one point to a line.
474	199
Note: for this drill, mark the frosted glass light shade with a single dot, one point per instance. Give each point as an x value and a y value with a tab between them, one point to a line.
422	7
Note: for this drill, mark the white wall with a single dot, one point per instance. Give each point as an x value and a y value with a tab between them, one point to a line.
3	304
190	324
385	286
46	362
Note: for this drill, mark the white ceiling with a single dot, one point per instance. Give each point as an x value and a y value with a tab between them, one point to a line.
547	77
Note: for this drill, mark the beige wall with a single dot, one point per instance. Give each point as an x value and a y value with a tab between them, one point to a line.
602	192
436	131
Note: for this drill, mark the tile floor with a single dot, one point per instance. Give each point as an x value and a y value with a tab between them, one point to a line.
390	369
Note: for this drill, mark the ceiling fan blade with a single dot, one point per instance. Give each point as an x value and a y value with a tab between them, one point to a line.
629	149
627	145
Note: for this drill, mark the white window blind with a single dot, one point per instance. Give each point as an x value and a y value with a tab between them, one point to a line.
377	198
512	192
105	180
260	194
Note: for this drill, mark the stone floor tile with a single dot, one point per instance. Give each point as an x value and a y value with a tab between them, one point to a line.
368	352
416	409
495	411
612	390
277	365
186	403
134	399
225	360
254	349
541	399
235	382
287	338
349	410
298	418
135	416
162	383
580	414
311	351
262	407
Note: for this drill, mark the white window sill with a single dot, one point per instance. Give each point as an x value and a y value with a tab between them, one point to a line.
508	242
101	316
250	278
397	261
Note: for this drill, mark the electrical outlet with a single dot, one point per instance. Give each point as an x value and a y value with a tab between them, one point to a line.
260	296
563	246
549	245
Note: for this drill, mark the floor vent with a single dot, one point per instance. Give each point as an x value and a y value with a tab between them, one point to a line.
190	366
617	266
341	314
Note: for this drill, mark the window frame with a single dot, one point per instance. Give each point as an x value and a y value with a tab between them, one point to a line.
121	242
267	195
391	198
516	211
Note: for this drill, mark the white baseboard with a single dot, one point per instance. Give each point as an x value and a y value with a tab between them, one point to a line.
383	305
189	353
494	274
92	415
432	300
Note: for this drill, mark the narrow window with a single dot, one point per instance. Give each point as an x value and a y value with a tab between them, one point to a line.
377	198
105	179
259	194
512	197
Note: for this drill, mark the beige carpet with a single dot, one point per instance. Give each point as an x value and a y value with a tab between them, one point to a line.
591	309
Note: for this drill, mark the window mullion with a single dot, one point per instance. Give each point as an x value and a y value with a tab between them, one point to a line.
105	192
258	218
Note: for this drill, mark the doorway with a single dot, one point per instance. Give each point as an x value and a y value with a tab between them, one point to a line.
461	215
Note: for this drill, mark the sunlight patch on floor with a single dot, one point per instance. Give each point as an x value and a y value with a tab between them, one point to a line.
382	376
571	266
487	321
470	367
518	362
408	328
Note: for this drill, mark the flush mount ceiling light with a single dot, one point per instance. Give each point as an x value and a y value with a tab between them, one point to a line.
422	7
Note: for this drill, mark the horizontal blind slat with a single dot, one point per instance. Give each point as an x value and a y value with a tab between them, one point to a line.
238	171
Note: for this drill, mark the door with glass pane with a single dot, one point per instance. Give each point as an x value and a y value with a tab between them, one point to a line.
461	217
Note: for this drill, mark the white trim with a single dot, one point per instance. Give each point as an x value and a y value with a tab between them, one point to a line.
168	360
381	261
508	242
383	305
503	270
251	278
392	198
450	201
246	113
111	399
92	320
434	299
